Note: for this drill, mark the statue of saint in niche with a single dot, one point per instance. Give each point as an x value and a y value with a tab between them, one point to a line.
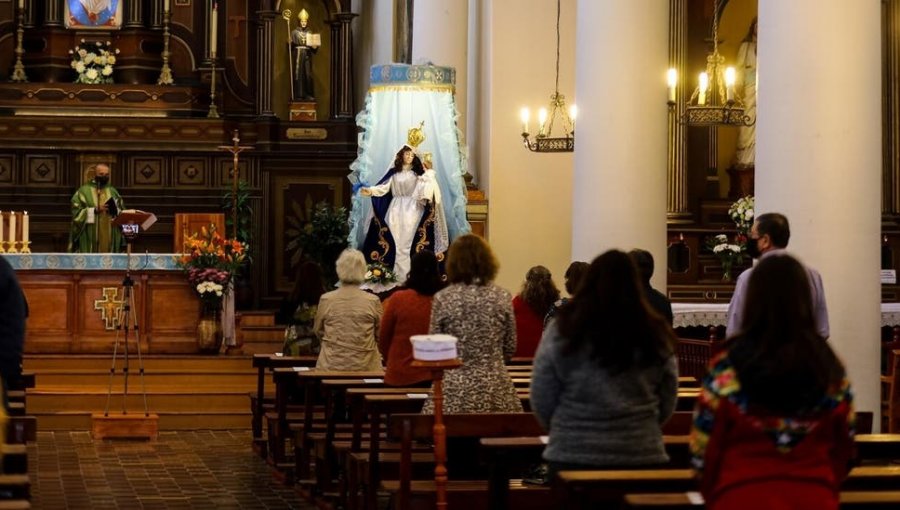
745	156
304	45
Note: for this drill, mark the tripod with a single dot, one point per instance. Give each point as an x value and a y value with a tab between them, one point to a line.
125	323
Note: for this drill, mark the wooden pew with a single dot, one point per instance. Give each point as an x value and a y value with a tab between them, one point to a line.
282	424
607	489
259	401
850	500
408	428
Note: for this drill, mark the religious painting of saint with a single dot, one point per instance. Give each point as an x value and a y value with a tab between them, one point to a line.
104	14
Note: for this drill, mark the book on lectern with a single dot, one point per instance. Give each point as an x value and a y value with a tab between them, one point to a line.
134	216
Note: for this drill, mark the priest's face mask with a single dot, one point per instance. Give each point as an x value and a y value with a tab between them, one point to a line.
101	175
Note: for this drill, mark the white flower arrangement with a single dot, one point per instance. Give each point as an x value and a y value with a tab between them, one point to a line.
379	273
741	213
93	62
728	253
207	289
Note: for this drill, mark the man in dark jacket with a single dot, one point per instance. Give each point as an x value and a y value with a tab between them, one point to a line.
643	259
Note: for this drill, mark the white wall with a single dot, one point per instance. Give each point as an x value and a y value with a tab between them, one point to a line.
373	40
530	217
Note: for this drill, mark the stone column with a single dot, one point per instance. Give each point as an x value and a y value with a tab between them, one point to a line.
890	203
619	182
441	34
819	161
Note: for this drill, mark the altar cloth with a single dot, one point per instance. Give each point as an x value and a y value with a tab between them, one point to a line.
92	261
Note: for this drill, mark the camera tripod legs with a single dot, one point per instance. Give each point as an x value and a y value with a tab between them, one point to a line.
126	323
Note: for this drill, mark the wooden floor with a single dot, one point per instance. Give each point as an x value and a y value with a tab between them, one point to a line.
181	470
187	391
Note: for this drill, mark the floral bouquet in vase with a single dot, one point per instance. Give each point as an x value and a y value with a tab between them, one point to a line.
729	253
741	213
211	263
94	62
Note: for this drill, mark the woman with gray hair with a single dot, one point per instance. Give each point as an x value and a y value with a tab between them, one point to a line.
347	320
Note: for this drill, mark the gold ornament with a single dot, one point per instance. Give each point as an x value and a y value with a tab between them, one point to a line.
415	136
304	16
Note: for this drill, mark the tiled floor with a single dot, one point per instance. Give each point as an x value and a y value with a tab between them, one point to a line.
181	470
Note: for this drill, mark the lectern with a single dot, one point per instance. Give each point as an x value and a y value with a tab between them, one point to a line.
124	425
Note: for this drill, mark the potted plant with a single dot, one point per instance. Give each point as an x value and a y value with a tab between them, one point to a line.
321	238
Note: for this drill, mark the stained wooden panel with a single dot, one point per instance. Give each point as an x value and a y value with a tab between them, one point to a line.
146	172
42	170
191	172
7	169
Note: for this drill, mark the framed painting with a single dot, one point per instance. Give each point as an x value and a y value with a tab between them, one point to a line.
87	14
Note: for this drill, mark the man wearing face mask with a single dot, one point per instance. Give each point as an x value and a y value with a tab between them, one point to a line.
769	237
92	214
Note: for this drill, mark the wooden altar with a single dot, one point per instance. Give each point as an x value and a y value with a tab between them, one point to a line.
74	299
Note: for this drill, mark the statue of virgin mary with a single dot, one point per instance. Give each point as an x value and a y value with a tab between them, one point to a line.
407	200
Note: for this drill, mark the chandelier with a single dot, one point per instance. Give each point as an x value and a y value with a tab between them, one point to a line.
713	102
546	139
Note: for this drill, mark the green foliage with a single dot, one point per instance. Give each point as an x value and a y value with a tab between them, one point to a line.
318	233
244	214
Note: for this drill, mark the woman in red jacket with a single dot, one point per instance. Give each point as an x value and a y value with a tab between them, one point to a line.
408	312
530	307
773	426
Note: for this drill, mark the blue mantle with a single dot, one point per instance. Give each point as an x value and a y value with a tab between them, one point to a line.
92	261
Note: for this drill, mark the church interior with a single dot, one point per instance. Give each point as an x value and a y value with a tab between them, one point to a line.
243	139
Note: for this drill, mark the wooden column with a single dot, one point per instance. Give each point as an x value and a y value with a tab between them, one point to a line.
342	66
134	15
676	196
890	174
53	16
403	32
265	43
156	14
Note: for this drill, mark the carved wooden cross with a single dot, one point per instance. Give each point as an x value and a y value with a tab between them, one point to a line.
110	307
235	149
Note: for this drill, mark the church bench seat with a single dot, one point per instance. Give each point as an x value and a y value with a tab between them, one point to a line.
472	495
850	500
15	459
15	504
264	363
15	486
877	447
463	432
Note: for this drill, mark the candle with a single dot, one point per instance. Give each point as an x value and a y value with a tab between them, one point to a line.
542	118
12	229
1	231
672	80
166	6
524	114
704	85
213	30
25	223
21	4
729	84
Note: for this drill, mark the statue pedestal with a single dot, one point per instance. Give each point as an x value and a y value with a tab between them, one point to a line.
742	181
303	111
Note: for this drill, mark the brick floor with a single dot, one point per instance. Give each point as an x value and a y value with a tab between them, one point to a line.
181	470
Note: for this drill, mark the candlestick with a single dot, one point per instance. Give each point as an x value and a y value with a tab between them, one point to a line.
26	247
213	30
165	74
18	74
25	223
213	110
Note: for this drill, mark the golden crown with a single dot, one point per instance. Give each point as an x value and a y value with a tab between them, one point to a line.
415	136
304	16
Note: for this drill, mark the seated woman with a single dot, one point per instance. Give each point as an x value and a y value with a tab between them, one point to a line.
407	214
347	320
408	312
479	314
773	426
299	310
605	377
530	307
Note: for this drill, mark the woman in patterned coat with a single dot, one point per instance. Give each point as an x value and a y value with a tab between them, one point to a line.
480	315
